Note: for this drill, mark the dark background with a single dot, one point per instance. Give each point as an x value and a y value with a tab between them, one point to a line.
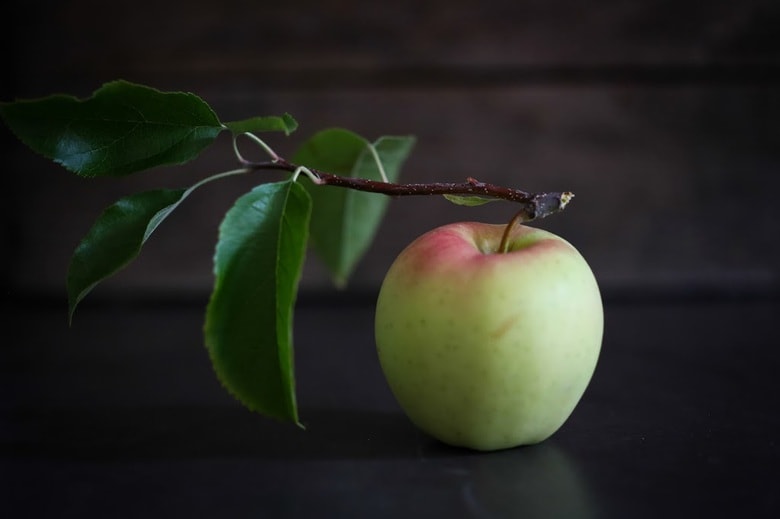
662	116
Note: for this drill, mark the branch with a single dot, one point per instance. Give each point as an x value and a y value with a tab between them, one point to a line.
535	205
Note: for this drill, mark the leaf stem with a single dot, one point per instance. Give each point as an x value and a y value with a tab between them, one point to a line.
271	153
534	205
378	162
306	171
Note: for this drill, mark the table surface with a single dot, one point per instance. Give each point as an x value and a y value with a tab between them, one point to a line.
121	416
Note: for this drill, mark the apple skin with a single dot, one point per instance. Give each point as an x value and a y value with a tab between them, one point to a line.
489	350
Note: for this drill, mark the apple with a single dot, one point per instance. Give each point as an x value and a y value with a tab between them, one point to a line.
486	349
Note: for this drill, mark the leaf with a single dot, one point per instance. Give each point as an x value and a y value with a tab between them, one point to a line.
469	200
344	221
116	239
117	236
258	263
284	123
123	128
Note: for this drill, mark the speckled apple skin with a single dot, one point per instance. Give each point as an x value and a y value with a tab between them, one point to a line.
486	350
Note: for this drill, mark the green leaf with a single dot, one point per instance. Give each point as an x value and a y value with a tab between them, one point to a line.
258	263
469	200
117	236
123	128
284	123
116	239
344	221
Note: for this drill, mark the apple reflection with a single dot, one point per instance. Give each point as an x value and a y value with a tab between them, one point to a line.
534	481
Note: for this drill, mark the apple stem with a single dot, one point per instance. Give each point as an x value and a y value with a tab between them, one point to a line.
535	205
518	218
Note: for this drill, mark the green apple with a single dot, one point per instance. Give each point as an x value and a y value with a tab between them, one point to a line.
485	349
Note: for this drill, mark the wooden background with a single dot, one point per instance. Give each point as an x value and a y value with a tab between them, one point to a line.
662	116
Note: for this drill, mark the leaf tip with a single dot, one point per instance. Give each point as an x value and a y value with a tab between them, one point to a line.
73	302
340	281
290	124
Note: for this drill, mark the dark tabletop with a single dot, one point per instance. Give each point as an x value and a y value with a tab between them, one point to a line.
121	416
